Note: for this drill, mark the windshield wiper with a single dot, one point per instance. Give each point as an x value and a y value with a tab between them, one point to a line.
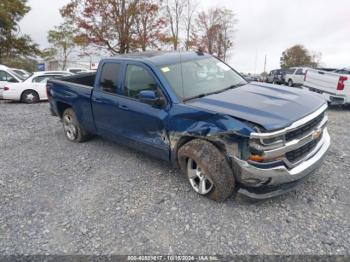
197	96
231	87
215	92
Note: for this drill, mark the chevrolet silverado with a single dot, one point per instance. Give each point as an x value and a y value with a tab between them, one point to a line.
197	112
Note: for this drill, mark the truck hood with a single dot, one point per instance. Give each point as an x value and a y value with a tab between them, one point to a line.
270	106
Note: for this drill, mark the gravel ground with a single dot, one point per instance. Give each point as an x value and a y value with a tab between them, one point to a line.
98	197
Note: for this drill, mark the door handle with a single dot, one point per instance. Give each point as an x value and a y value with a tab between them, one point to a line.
97	100
123	107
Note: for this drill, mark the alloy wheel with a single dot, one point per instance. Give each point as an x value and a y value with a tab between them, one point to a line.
201	183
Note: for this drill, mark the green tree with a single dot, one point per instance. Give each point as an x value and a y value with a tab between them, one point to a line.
63	42
11	43
298	55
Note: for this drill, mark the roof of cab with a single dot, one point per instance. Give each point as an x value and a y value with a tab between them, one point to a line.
159	58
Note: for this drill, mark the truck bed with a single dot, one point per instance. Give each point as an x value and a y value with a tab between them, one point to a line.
74	91
87	79
329	84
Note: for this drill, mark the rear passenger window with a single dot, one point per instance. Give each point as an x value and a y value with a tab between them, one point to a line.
41	79
138	79
109	77
299	72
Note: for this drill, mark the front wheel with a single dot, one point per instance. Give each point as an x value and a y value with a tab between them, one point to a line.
72	129
290	83
207	169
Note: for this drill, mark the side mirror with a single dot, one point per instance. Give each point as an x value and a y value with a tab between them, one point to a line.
150	97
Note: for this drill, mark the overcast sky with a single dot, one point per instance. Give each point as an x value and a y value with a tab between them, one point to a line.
265	27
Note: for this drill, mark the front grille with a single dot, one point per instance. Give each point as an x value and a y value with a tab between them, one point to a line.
305	129
297	154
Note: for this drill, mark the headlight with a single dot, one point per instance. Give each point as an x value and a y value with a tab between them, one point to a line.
266	143
257	147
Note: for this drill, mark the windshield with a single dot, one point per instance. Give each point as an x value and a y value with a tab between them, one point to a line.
20	77
200	77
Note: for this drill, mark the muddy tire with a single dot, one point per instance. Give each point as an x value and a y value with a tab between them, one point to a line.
207	170
72	129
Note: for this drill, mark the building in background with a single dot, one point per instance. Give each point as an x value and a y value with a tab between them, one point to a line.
54	65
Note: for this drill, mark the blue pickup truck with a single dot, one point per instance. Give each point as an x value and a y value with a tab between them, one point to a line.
197	112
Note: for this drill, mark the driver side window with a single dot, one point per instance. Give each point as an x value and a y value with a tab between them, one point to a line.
138	79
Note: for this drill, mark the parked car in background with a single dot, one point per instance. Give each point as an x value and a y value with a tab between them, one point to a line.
21	72
197	112
295	76
77	70
7	76
334	86
251	78
31	90
276	76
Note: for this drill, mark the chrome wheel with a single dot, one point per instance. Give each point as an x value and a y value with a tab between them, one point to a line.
201	183
69	127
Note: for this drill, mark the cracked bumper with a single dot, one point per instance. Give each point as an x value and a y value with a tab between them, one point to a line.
261	183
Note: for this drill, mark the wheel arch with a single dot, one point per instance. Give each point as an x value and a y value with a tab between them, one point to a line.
61	107
183	140
29	89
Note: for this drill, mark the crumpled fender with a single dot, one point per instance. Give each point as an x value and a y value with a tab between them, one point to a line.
217	128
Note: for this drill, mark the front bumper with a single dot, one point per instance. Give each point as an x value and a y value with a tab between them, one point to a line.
263	183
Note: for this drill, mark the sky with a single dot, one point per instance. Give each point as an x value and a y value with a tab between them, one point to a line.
264	28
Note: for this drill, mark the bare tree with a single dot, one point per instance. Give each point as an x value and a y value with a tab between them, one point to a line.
215	28
226	33
174	11
149	24
191	7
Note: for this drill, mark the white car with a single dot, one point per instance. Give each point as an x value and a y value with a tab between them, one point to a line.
21	72
295	76
7	76
33	89
334	86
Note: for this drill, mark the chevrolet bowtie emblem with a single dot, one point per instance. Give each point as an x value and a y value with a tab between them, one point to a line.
316	134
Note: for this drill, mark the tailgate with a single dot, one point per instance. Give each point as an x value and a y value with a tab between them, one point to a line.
323	81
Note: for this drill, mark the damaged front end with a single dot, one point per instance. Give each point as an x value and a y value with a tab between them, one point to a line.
264	164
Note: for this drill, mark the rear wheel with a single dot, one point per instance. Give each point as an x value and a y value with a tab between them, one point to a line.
207	169
72	129
30	97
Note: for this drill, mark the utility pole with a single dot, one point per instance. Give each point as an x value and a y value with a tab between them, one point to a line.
265	64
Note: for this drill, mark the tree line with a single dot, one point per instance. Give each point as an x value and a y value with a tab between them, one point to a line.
123	26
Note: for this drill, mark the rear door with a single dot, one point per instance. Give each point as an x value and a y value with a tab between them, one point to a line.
299	76
143	125
105	100
39	84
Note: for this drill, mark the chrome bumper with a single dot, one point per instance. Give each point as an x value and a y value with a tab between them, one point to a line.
252	176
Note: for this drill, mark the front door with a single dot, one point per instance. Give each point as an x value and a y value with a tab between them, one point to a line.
143	124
